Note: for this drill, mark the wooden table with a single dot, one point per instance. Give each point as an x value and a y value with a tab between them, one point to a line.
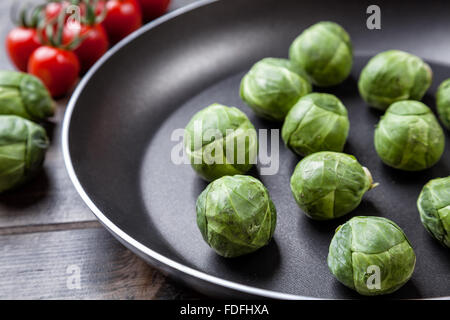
49	239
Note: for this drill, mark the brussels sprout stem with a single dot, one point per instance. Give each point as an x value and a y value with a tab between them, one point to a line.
369	175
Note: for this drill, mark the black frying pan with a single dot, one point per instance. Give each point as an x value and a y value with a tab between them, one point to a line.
118	126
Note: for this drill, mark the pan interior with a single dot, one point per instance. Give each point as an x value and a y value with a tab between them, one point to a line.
295	262
121	137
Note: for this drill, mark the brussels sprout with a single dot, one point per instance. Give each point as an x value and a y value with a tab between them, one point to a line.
236	215
367	249
434	209
22	150
272	87
328	185
24	95
409	137
393	76
318	122
325	52
443	102
220	141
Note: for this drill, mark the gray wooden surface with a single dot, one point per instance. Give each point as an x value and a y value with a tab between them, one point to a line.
49	239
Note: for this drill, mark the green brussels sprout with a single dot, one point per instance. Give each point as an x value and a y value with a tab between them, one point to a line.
434	209
409	137
272	87
325	52
443	103
24	95
393	76
220	141
236	215
22	150
328	185
318	122
367	249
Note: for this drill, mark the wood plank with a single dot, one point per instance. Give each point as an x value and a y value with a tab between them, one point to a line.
50	227
39	266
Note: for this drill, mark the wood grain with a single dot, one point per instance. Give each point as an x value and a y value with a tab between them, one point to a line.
35	266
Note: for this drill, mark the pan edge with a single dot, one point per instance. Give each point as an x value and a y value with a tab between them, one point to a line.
124	238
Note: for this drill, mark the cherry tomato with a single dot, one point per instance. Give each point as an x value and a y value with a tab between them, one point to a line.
20	44
152	9
53	9
57	68
92	47
122	18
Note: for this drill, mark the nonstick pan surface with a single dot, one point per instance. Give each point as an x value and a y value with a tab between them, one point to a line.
117	141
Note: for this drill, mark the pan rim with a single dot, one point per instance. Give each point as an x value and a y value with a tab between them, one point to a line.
115	230
131	243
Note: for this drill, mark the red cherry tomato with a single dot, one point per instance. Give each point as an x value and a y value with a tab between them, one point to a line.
122	18
53	9
152	9
20	44
92	47
57	68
